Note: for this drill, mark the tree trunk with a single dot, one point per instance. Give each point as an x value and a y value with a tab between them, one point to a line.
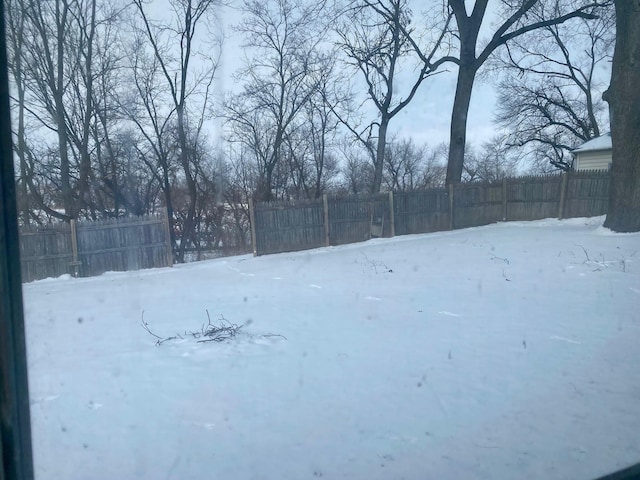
22	152
458	133
85	154
188	231
382	145
264	189
65	177
624	106
61	124
169	204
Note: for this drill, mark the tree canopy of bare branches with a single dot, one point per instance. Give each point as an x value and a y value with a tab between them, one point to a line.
174	85
473	53
549	98
282	71
377	40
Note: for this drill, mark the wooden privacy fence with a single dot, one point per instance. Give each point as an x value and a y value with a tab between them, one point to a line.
335	221
91	248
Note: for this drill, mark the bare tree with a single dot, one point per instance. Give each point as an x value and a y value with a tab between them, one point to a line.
281	73
404	165
310	144
125	183
469	19
623	97
174	52
240	181
15	26
495	161
147	107
55	72
549	96
376	39
53	60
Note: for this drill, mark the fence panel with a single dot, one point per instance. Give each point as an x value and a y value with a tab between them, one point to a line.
45	252
122	245
112	245
421	211
351	218
476	204
587	194
288	228
533	198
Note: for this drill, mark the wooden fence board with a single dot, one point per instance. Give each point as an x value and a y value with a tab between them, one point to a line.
477	204
587	194
297	227
421	211
350	218
45	252
533	198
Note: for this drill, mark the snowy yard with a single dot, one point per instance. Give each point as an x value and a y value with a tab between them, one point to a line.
499	352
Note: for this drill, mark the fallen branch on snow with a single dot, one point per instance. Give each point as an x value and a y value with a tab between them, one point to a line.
224	330
217	333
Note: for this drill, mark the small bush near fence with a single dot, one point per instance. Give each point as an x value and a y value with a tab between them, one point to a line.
92	248
336	221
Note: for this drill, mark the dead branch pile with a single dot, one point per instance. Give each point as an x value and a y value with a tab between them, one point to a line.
224	330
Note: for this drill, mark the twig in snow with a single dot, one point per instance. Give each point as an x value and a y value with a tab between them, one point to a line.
585	252
435	393
375	264
218	333
269	335
160	340
493	257
576	389
145	325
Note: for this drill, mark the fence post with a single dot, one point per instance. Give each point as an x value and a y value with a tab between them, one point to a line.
451	206
563	194
504	199
392	216
252	221
325	203
167	234
75	263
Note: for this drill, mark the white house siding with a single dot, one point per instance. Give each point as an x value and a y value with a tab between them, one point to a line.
593	160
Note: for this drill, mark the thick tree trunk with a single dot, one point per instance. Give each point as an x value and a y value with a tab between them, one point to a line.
624	105
458	133
380	151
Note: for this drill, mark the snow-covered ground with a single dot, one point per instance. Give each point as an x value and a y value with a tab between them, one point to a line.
500	352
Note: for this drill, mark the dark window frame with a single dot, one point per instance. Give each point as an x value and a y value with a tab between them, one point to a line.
15	424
